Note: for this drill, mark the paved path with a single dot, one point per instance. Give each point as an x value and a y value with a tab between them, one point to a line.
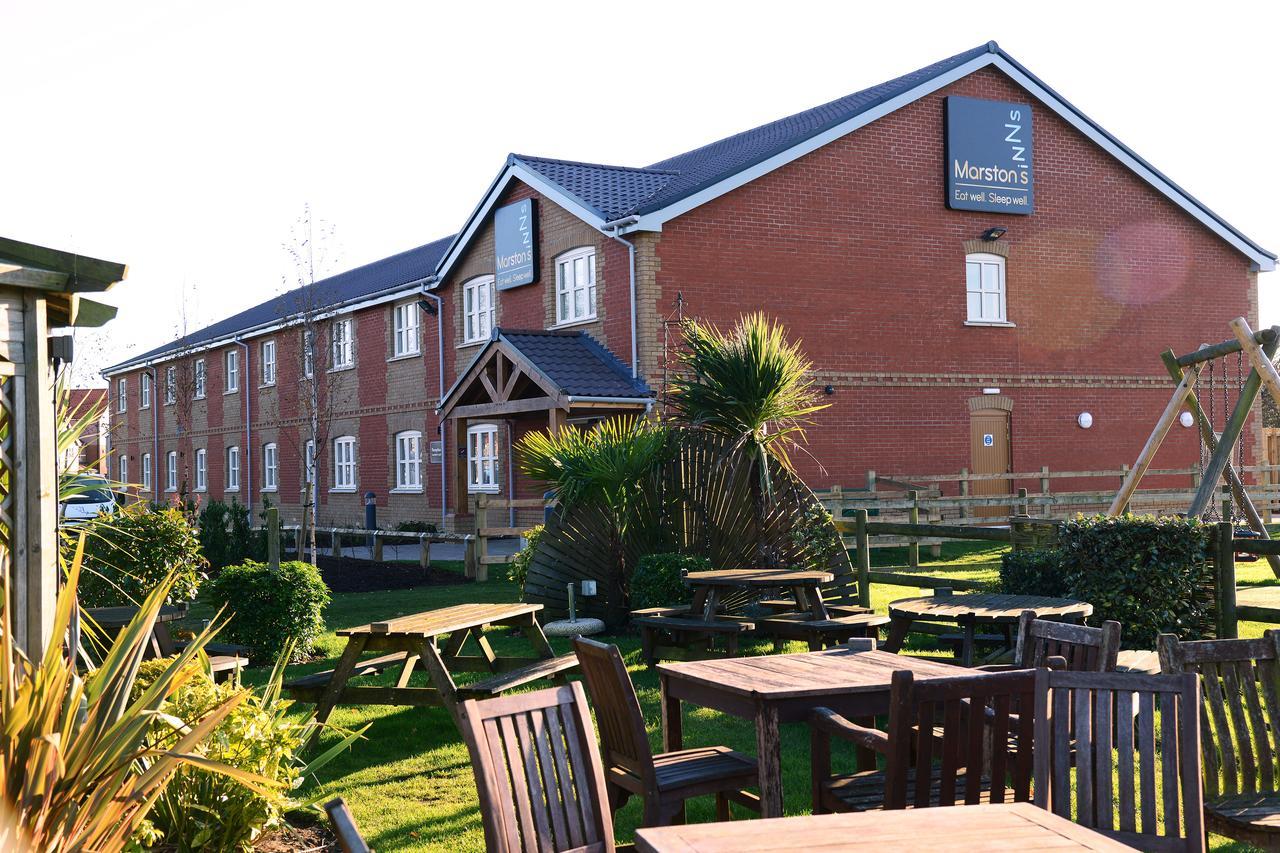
439	550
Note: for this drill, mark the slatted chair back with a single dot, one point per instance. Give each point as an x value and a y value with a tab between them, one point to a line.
985	744
538	772
622	730
1128	776
1240	708
1085	649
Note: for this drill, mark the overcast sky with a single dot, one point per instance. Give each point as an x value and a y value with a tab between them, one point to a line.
184	139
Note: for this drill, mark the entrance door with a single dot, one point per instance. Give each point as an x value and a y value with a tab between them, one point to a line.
990	454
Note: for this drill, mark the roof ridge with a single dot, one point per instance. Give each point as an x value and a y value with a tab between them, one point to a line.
646	169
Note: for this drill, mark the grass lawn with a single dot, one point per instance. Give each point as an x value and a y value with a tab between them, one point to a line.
410	785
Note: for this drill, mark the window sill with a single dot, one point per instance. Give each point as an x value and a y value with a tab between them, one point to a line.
197	397
343	490
200	491
484	490
568	324
233	490
404	356
406	490
232	391
266	385
480	342
172	491
1000	324
269	489
342	368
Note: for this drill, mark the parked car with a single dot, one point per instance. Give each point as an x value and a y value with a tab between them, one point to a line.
89	496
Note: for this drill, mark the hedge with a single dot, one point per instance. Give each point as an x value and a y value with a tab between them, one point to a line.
658	579
270	608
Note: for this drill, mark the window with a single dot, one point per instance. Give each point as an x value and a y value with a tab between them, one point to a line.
409	461
477	309
146	472
233	469
123	473
268	362
270	468
144	391
576	286
984	284
170	385
122	400
340	355
199	379
344	463
309	471
202	470
482	458
171	472
232	361
308	354
404	326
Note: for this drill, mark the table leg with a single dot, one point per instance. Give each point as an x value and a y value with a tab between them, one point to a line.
712	601
816	606
541	645
672	728
769	756
338	681
439	674
966	647
899	626
406	669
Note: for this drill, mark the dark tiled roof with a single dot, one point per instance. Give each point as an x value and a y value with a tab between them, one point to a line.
577	363
611	191
340	289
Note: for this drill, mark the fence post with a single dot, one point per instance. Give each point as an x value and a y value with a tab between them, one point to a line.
1019	538
482	541
1224	582
273	538
424	552
964	493
1024	506
377	545
871	480
335	542
471	564
1044	479
864	557
913	546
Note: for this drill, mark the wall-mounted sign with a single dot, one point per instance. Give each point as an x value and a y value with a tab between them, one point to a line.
989	156
436	451
515	244
988	440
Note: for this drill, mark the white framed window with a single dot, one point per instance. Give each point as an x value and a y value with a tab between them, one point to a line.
309	470
170	386
270	467
409	461
232	361
146	472
404	329
144	391
341	353
482	458
122	396
233	469
344	464
478	309
122	472
268	362
984	287
199	372
308	354
171	471
202	470
576	286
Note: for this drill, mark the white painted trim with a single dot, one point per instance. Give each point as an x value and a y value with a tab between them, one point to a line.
475	283
569	257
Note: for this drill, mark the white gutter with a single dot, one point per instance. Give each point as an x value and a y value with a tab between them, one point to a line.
245	384
631	263
629	400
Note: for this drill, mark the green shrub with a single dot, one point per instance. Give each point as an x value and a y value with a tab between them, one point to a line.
816	534
417	527
1033	572
1149	574
129	553
227	536
658	580
269	610
518	568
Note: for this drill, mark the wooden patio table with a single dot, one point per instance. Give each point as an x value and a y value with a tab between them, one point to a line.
776	689
1019	826
805	585
115	619
970	610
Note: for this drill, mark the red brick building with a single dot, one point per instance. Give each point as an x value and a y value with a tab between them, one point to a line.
970	262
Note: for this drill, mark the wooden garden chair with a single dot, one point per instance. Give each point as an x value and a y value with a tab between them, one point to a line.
938	750
344	827
1081	648
1087	734
1240	684
665	780
538	772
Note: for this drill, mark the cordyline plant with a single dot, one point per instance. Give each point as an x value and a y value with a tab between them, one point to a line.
79	763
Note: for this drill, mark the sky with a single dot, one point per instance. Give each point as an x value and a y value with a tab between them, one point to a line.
186	139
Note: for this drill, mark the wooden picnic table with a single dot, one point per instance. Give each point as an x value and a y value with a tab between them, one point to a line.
1020	826
970	610
778	689
805	585
410	640
115	619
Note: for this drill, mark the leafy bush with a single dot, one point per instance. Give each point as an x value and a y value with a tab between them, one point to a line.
270	610
226	535
417	527
128	554
658	580
815	532
1150	574
1033	572
518	568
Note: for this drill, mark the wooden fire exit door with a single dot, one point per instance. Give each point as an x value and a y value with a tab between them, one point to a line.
990	453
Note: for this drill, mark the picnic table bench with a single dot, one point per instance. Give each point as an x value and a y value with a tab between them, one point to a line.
415	639
224	659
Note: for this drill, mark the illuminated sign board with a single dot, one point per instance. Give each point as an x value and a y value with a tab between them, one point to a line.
989	156
515	245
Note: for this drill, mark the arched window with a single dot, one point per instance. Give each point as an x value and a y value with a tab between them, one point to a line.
409	461
984	286
576	286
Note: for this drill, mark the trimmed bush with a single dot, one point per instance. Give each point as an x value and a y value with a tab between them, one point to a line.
1150	574
1033	572
226	535
518	568
126	555
271	609
658	580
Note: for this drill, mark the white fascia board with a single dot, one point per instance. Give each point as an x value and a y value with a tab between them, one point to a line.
514	171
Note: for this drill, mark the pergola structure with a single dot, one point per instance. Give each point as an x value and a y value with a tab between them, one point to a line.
40	289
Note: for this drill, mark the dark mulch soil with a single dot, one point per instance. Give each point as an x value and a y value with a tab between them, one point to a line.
316	838
347	574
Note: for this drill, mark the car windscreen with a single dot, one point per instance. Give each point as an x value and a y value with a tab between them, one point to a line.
89	495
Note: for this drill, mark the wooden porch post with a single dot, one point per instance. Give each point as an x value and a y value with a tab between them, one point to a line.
555	420
460	496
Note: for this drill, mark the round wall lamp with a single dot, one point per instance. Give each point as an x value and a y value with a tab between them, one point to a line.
1186	419
829	390
1085	420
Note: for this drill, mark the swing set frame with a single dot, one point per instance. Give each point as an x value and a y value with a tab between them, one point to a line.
1259	347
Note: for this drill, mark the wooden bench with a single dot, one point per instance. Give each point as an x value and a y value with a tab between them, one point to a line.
820	633
503	681
786	605
687	638
317	681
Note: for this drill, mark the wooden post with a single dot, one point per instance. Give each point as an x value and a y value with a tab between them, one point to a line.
1167	417
871	480
273	538
1230	435
1224	559
470	563
863	555
1024	506
377	544
482	541
964	493
424	552
335	541
913	546
1044	479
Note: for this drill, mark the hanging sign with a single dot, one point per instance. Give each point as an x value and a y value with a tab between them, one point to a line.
515	245
989	156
